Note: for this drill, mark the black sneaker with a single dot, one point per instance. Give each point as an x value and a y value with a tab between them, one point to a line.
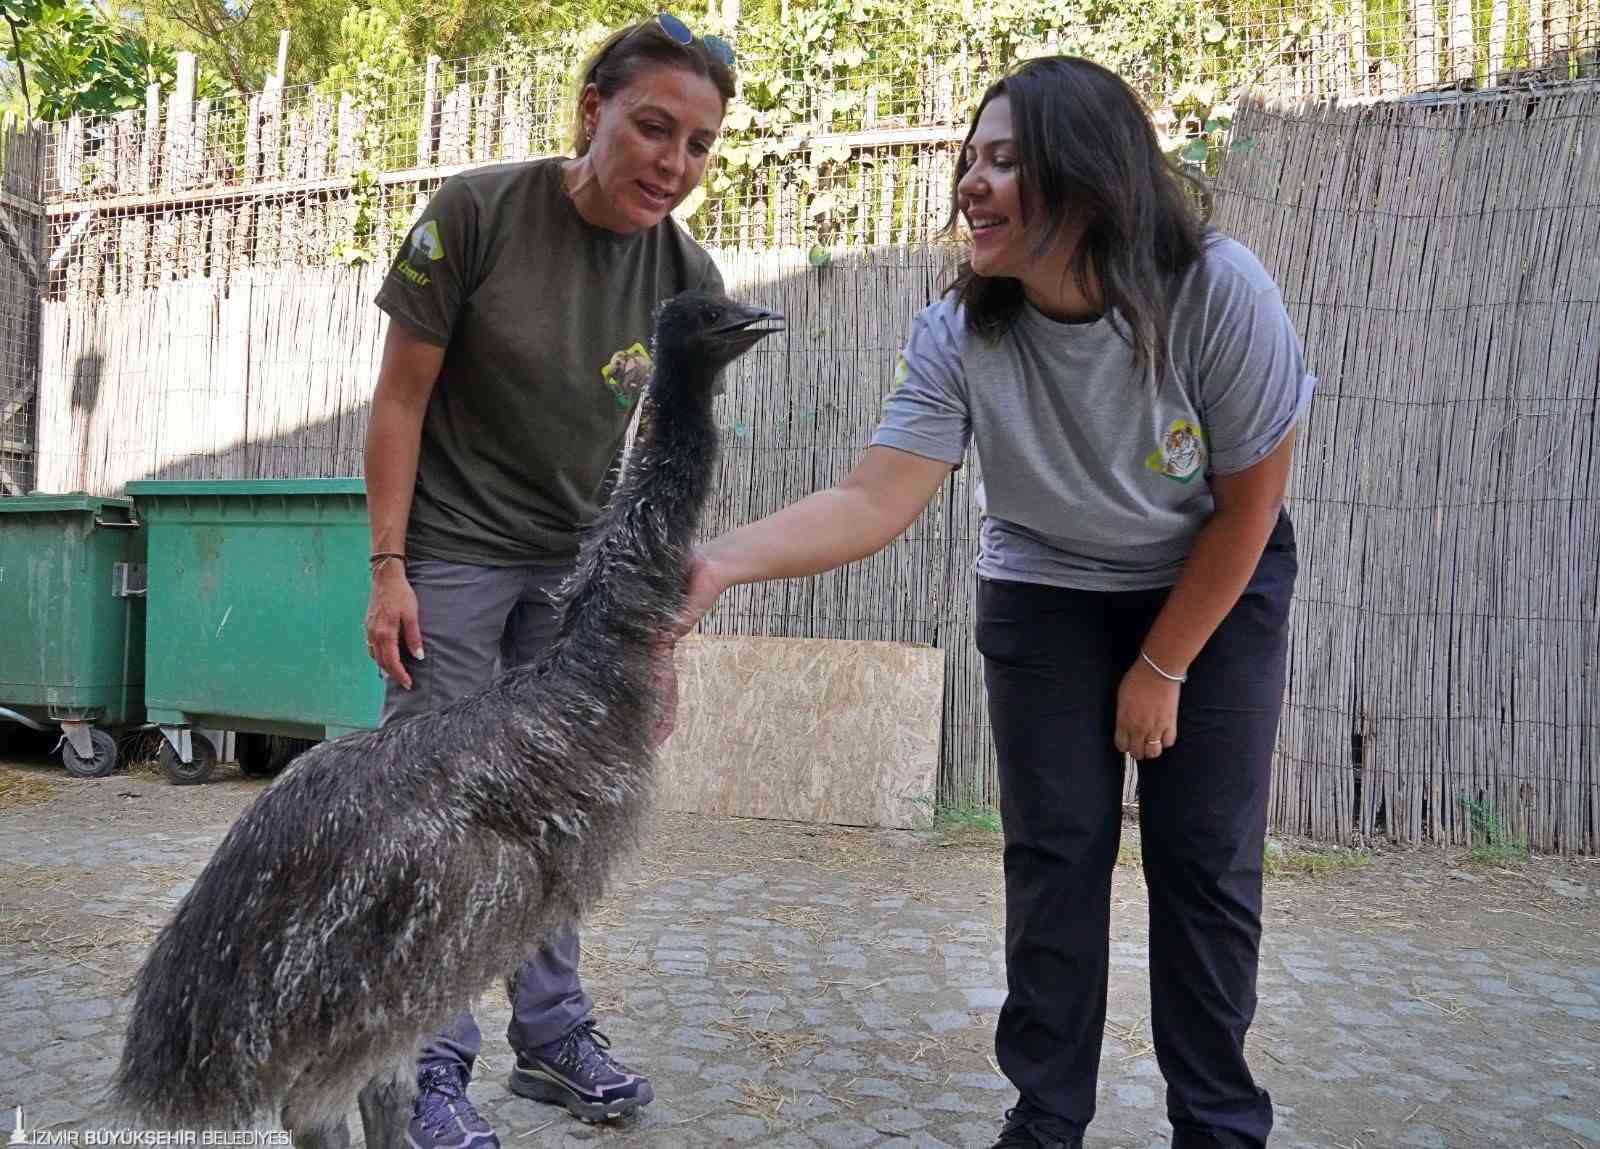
1027	1128
441	1115
577	1071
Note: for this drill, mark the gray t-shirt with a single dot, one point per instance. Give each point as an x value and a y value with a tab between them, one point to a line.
1093	477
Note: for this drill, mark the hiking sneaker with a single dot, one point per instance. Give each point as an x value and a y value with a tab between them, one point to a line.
441	1115
577	1071
1028	1128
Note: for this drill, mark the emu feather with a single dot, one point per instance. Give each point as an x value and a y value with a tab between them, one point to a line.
387	877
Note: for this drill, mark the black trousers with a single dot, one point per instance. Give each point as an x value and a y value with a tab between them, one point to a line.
1053	661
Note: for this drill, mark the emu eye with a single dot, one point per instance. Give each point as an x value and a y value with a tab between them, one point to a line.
711	314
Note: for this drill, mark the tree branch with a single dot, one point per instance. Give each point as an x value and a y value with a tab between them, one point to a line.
22	72
201	19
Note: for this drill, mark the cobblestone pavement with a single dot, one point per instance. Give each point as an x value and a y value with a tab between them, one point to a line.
796	986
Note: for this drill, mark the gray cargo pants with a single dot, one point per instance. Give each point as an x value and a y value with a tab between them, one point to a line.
475	621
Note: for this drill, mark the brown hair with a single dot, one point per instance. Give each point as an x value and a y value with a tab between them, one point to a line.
633	49
1085	146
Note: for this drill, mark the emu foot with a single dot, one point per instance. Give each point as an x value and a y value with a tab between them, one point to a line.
322	1137
385	1112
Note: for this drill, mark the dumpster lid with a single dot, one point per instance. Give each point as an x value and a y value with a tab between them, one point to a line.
157	488
72	501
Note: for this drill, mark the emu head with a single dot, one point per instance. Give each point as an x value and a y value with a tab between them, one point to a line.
698	333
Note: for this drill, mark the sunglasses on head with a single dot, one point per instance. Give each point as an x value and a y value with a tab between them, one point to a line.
679	33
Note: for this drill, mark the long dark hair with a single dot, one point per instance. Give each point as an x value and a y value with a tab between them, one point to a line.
1087	151
617	63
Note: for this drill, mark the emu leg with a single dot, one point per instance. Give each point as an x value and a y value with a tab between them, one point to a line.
322	1137
385	1112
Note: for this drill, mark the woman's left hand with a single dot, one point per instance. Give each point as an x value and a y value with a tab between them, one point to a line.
1147	712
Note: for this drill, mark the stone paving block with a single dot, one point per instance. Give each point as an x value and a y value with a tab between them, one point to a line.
947	1021
25	1020
839	1061
1586	1127
1423	1137
973	1134
878	1087
905	1069
901	1120
792	1140
59	1110
811	1107
66	1057
739	1129
846	1134
846	1034
37	1086
992	1082
80	1010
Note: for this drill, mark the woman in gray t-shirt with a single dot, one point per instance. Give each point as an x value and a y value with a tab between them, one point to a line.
1131	384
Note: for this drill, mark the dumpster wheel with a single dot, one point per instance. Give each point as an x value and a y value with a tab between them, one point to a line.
265	755
202	757
103	762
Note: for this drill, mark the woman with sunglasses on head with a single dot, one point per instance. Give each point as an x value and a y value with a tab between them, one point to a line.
1131	383
522	307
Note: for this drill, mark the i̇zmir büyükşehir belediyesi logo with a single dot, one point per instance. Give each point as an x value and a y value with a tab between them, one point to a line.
146	1138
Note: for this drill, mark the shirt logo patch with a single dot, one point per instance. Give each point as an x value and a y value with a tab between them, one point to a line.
426	244
1182	453
625	374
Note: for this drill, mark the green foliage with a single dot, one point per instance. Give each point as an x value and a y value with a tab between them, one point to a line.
837	66
1492	840
238	39
371	51
967	813
76	60
1280	860
361	247
373	61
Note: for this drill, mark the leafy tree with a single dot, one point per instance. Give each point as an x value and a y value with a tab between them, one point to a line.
66	57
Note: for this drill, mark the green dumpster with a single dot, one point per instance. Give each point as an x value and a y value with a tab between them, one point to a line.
72	621
258	589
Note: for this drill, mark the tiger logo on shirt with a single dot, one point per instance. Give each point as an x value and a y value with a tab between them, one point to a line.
626	373
1182	453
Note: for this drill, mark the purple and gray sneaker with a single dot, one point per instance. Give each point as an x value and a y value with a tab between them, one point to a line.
577	1071
441	1115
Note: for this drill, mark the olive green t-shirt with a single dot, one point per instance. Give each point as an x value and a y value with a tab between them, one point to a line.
546	323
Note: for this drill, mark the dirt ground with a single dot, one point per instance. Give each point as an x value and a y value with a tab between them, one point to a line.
798	985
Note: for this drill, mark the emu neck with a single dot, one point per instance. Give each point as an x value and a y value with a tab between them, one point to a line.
632	571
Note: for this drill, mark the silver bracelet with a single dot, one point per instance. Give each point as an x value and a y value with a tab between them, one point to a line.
1169	677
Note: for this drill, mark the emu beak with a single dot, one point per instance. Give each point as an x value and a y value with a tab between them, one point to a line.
743	327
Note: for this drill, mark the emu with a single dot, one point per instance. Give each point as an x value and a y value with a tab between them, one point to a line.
387	877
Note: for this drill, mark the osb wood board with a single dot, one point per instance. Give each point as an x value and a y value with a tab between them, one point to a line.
805	729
